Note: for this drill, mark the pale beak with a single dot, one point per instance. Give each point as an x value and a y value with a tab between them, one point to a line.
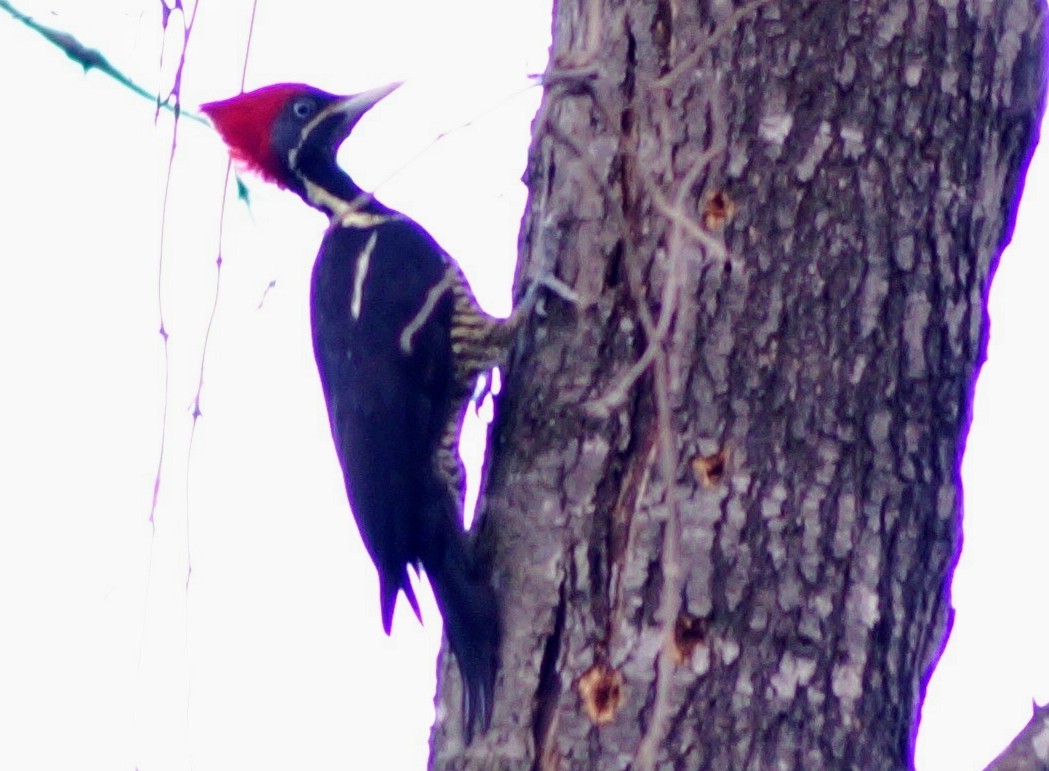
355	105
330	127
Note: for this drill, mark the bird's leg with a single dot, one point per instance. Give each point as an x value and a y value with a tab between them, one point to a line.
499	334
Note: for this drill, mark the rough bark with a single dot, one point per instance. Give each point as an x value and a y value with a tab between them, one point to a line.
1029	751
722	503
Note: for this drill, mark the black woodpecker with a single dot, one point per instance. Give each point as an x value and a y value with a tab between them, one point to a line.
400	343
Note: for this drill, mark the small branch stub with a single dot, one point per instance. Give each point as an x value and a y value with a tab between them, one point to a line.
709	470
717	211
601	689
689	633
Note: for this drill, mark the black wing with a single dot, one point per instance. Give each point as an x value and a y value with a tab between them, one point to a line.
385	405
382	311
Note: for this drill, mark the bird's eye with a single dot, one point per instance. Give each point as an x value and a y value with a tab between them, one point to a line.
303	108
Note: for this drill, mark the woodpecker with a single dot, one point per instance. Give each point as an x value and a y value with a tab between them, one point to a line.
400	343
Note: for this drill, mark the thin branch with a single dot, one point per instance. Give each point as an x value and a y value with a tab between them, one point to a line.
656	357
670	567
218	271
670	556
444	134
690	61
616	396
92	59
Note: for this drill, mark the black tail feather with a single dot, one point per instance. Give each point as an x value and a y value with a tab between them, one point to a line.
471	620
389	588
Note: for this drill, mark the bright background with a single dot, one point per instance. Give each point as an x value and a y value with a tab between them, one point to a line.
272	657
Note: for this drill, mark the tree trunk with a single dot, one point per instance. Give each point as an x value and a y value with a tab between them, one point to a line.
722	503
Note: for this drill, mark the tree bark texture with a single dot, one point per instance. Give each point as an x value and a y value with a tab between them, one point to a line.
1029	751
722	503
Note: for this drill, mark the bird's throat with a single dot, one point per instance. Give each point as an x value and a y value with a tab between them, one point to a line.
332	191
356	212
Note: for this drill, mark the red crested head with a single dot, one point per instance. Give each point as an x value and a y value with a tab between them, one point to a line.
287	131
246	123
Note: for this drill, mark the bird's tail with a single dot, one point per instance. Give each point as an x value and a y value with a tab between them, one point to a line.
468	605
389	587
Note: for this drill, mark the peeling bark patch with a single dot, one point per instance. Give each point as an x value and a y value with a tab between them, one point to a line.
792	672
1040	744
890	25
718	211
912	76
709	470
601	689
689	633
872	301
806	168
878	428
775	128
915	324
847	682
852	139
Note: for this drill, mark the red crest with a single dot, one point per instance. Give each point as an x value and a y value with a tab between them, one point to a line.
245	123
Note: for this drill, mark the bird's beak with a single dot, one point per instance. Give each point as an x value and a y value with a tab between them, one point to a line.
355	105
345	112
334	123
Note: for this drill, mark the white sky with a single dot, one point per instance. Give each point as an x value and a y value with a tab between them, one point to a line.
274	658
